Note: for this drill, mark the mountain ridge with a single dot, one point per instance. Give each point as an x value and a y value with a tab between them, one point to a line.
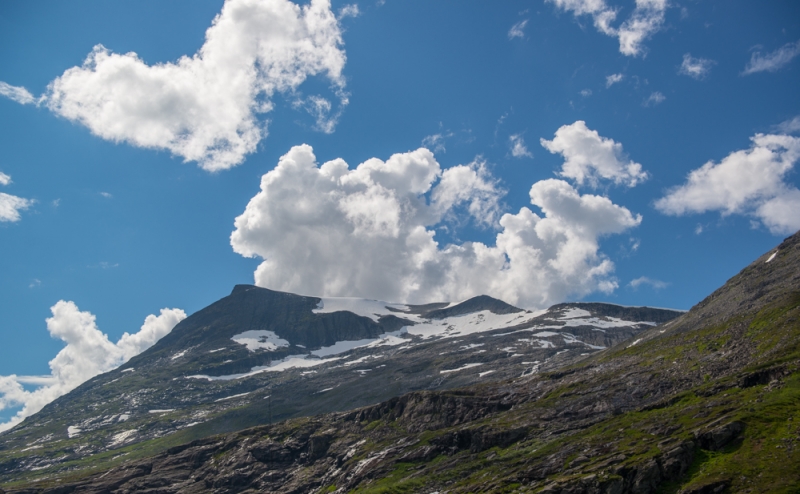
705	403
214	371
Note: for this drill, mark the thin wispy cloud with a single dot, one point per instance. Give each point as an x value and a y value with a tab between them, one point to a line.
586	93
772	61
517	147
10	205
655	98
645	20
16	93
613	79
696	68
518	29
351	10
645	281
790	126
437	142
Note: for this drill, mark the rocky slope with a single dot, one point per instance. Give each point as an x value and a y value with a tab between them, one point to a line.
707	403
260	356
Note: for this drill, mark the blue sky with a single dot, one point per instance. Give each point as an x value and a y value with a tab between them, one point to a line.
123	215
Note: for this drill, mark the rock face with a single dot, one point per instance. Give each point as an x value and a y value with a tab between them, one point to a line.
705	403
259	356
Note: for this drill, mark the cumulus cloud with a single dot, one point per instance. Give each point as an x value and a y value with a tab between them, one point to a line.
655	98
749	182
10	206
773	61
590	158
370	232
613	79
205	108
696	68
645	20
16	93
518	30
517	145
88	352
644	280
586	93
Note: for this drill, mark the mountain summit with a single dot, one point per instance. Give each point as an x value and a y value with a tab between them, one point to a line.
259	356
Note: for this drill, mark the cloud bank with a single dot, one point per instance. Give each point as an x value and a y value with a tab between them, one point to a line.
590	158
749	182
88	353
370	232
645	20
205	108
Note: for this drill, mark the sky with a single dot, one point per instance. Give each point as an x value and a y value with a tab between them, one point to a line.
155	154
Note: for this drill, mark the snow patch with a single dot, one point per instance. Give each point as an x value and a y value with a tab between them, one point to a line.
73	431
292	361
574	312
772	256
166	410
260	339
481	374
122	437
129	370
476	322
178	355
465	366
233	396
374	309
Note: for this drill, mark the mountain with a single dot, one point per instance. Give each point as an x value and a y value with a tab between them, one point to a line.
708	402
259	356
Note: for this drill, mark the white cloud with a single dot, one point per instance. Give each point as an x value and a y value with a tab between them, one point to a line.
370	231
518	30
588	157
10	206
696	68
351	10
205	108
517	145
613	79
773	61
644	280
655	98
586	93
87	353
107	195
749	182
436	142
789	126
645	20
15	93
